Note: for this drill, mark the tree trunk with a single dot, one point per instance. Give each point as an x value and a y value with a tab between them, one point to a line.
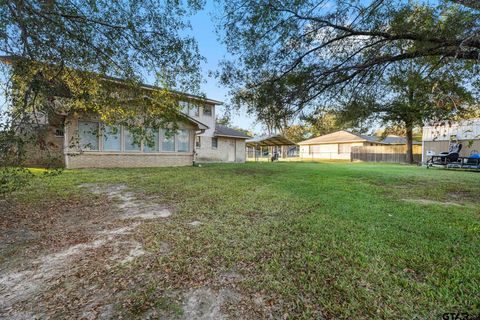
409	136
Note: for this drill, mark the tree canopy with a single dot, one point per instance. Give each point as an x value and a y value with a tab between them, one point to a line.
329	51
92	56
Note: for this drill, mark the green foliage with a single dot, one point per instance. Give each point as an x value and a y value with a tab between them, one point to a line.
288	57
12	179
90	57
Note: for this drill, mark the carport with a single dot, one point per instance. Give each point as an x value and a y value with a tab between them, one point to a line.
277	142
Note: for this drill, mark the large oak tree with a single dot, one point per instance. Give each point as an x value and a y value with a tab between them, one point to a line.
329	52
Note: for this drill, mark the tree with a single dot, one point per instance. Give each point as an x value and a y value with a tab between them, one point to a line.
340	48
225	120
91	56
297	132
412	95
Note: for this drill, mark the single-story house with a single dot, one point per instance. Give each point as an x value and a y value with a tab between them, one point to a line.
436	137
336	145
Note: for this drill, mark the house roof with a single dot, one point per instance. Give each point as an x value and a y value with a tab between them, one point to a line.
337	137
200	125
9	59
393	139
223	131
272	140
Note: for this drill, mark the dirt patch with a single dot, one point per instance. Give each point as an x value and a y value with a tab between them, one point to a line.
432	202
195	223
90	243
206	304
464	196
131	206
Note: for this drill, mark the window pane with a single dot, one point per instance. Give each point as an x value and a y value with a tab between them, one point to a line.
131	144
198	142
207	110
111	138
194	110
182	137
183	106
150	144
168	140
88	134
214	143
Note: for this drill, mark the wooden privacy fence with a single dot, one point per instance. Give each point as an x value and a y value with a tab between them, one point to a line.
389	153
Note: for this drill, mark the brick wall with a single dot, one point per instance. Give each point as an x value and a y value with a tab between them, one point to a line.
124	160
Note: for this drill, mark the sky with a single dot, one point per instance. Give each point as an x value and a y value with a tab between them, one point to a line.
203	30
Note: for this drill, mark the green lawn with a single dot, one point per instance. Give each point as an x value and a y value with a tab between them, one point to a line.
332	240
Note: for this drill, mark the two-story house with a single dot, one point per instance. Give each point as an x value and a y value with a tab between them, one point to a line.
218	143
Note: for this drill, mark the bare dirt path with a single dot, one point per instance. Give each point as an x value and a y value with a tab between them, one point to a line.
56	258
25	283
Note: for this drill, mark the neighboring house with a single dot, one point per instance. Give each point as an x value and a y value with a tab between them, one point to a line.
436	137
397	140
338	145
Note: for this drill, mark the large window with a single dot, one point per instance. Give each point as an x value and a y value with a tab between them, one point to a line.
207	110
168	140
150	143
88	135
182	137
94	136
131	143
111	138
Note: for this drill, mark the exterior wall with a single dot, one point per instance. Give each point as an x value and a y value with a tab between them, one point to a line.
129	160
228	150
75	158
47	150
205	119
328	150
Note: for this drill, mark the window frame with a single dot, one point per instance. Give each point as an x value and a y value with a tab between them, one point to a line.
140	146
209	114
161	137
198	142
120	131
178	141
195	108
99	147
216	143
100	136
157	149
